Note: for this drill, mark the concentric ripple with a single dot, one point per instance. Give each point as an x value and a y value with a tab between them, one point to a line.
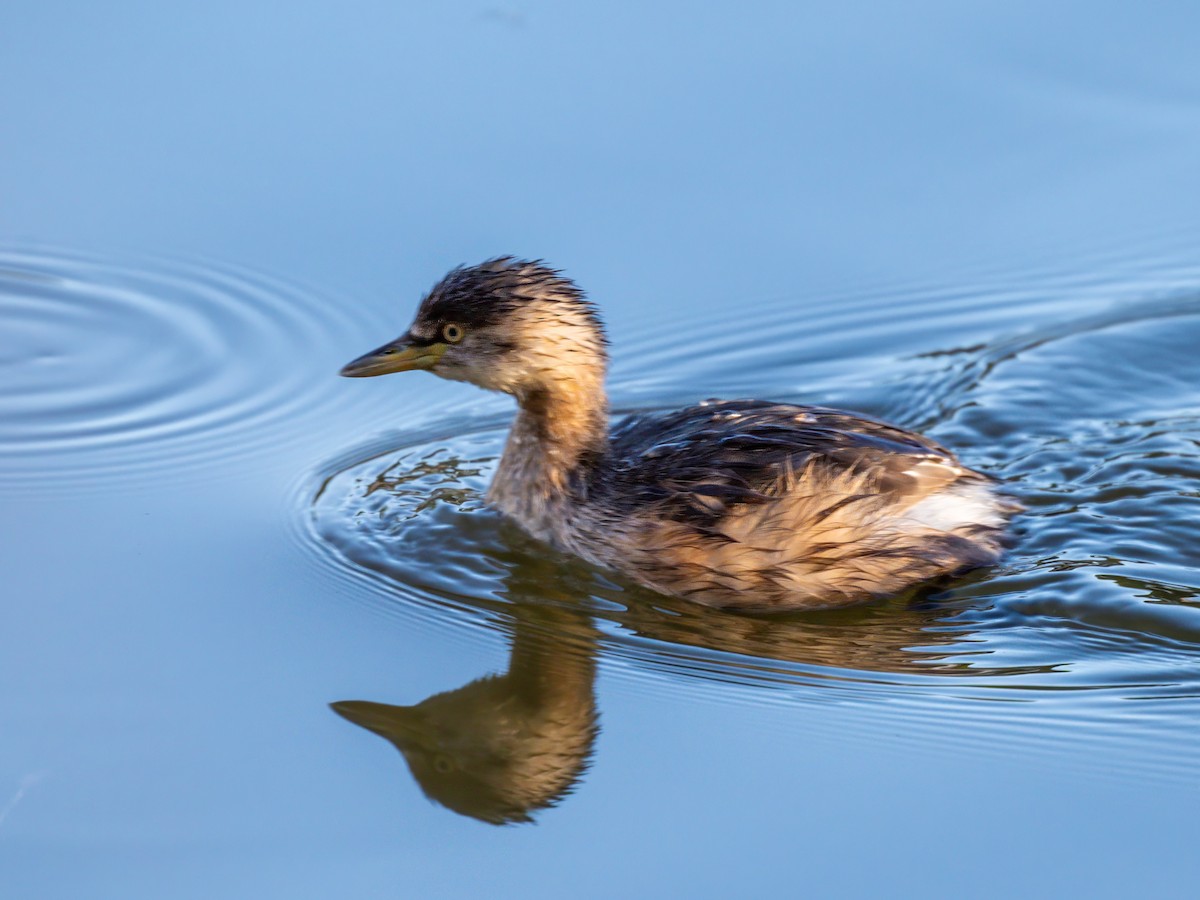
108	368
1084	402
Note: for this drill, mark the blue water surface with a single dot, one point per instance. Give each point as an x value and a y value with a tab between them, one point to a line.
980	220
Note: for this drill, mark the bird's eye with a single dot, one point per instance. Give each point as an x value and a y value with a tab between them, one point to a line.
453	333
443	763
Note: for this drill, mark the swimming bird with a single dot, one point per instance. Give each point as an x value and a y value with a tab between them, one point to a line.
744	504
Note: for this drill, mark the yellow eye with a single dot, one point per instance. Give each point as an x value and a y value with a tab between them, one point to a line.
452	333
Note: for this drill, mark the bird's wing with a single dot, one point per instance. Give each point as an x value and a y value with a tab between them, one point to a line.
697	463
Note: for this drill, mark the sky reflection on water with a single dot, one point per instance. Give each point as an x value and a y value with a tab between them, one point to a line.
958	217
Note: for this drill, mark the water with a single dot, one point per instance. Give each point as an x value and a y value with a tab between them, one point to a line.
107	361
980	223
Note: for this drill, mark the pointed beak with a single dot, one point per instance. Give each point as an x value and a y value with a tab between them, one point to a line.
401	355
400	724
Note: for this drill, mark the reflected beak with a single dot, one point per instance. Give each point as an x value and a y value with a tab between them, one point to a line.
401	355
400	724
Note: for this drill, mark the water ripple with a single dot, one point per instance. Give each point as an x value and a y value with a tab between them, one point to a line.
108	369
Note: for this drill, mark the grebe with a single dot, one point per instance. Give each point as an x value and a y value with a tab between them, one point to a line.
743	504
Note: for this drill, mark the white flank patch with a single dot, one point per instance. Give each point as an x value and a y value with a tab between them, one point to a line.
960	505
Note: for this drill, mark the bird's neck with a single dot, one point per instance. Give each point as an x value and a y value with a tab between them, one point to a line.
561	429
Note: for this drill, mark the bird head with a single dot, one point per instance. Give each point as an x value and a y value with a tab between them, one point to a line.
505	325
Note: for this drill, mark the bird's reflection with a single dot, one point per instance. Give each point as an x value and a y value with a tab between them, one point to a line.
503	746
507	745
